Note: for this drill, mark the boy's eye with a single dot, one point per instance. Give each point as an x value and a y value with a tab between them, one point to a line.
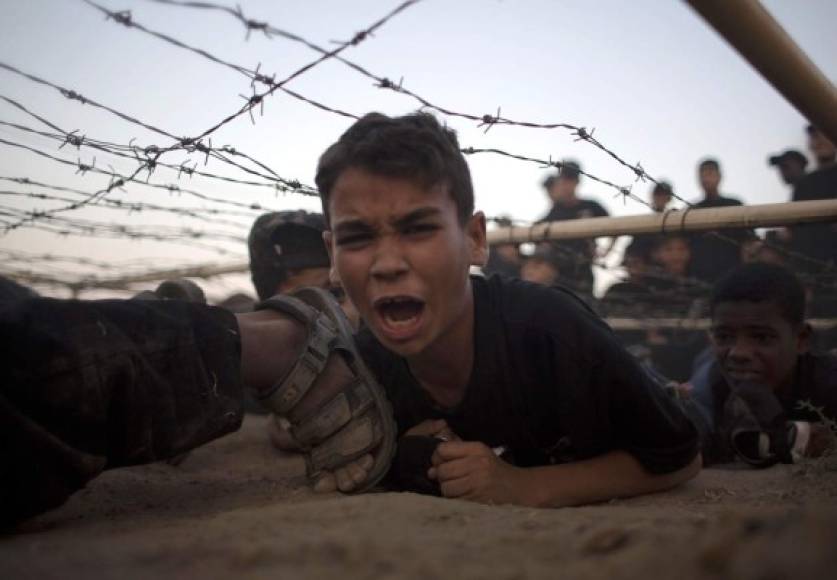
721	337
418	229
762	337
354	240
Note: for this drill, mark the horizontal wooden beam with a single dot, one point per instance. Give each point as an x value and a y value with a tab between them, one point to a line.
756	35
689	220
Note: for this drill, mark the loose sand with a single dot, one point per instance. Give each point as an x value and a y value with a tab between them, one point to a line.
239	508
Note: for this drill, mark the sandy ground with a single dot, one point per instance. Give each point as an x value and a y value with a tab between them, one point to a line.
238	508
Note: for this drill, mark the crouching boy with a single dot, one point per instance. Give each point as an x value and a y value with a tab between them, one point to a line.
759	390
491	366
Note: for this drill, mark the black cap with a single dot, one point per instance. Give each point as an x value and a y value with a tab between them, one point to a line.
663	187
788	155
568	169
282	241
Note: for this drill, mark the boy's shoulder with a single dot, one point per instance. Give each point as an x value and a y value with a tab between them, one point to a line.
516	301
817	380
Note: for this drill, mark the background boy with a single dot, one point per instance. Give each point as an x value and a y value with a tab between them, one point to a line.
762	368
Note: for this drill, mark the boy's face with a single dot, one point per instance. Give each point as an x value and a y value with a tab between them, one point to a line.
403	258
674	255
709	178
562	189
660	200
754	343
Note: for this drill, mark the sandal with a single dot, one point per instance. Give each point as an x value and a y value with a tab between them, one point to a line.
759	433
354	421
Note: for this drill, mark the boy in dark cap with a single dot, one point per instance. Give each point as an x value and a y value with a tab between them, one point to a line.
817	241
287	252
791	164
481	367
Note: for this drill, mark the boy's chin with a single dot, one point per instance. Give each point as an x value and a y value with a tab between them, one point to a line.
404	348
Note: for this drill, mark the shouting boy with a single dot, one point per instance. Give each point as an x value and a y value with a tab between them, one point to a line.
485	363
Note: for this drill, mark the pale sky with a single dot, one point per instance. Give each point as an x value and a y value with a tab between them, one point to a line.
657	84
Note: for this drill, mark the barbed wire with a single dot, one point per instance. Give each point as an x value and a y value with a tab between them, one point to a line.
487	120
148	157
171	188
257	99
134	152
580	133
10	256
383	82
139	206
94	226
187	144
130	207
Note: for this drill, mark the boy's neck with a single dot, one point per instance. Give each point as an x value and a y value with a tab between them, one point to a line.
444	369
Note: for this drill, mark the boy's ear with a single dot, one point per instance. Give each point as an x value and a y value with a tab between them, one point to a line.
803	339
328	239
478	244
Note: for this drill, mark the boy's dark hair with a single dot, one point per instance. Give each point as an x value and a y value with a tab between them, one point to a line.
414	147
763	282
709	162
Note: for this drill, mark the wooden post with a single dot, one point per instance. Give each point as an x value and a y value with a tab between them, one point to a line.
689	220
756	35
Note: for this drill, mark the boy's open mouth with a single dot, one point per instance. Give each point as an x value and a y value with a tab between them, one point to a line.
400	315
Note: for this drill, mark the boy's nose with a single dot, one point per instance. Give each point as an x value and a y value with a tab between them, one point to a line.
741	349
389	261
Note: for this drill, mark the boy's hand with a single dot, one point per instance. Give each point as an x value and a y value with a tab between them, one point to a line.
471	470
434	428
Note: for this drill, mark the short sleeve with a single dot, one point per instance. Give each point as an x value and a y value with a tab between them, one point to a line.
611	402
598	210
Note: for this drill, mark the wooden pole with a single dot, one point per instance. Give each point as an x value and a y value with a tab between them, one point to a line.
747	216
621	323
756	35
690	220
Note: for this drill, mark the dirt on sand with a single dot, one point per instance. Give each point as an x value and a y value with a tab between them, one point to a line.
238	508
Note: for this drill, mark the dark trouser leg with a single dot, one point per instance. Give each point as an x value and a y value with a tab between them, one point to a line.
93	385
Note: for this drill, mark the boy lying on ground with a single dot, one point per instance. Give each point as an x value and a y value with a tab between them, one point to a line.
499	363
761	370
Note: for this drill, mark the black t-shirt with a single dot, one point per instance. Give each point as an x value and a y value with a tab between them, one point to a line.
716	253
818	241
549	381
576	255
585	208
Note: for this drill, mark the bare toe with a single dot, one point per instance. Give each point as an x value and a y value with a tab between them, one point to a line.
326	484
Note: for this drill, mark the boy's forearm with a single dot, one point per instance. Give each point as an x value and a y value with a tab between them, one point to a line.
614	474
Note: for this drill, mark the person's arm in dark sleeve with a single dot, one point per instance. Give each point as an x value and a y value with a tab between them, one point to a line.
94	385
629	438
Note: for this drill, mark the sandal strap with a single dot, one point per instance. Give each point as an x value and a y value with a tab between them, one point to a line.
352	442
322	334
353	401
